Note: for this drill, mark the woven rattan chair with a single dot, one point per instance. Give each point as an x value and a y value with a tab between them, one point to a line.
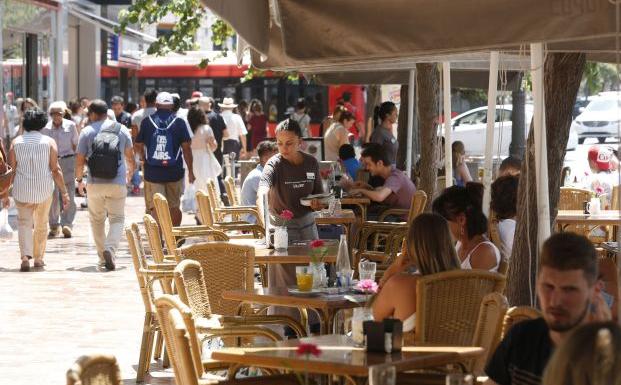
419	200
220	211
96	369
231	191
232	228
173	234
488	328
573	199
148	273
448	303
516	315
190	282
494	236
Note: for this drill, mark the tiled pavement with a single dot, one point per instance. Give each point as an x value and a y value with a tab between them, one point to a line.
48	318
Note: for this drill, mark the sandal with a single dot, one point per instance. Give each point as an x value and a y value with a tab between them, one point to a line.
25	266
39	263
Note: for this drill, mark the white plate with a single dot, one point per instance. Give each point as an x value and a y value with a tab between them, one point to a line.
311	293
322	198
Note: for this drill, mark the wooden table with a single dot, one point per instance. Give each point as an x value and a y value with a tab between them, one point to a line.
346	218
340	356
361	202
565	218
299	254
325	305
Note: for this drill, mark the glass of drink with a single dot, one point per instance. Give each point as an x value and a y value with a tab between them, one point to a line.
459	379
366	270
304	278
382	375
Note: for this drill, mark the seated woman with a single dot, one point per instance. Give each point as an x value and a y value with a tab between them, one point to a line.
503	204
462	208
431	251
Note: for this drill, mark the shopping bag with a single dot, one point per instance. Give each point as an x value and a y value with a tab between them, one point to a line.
188	200
6	232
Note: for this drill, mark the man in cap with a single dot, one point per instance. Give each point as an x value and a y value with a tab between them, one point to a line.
235	133
603	164
162	138
65	134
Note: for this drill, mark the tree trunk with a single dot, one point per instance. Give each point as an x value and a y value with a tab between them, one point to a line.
402	128
518	125
562	73
427	98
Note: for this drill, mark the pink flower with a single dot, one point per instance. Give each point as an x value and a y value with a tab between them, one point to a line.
599	190
308	349
367	285
317	243
287	215
325	173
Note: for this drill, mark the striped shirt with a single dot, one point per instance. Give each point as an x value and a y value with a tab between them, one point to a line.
33	181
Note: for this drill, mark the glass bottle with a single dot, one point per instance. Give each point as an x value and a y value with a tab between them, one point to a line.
343	267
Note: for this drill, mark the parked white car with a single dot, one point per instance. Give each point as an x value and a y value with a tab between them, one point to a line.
600	119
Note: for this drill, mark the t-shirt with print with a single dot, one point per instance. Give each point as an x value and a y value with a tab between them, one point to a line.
288	183
85	144
402	189
522	355
180	134
387	140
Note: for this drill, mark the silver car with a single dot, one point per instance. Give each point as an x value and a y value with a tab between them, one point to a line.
600	119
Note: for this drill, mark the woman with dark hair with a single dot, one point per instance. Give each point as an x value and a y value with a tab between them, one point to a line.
503	204
26	104
257	123
462	208
387	115
205	165
338	135
430	250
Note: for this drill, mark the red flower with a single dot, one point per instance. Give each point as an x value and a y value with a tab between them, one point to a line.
308	349
287	215
317	243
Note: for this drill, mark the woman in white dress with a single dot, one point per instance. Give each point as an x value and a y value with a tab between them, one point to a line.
205	165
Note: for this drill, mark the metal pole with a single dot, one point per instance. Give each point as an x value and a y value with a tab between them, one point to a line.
3	128
448	129
59	66
408	159
541	155
492	90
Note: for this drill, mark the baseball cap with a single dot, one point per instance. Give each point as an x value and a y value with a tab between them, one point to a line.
601	156
197	94
164	98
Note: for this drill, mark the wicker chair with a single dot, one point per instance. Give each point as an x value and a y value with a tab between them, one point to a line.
494	236
419	200
231	191
488	329
231	228
190	282
516	315
220	211
95	370
147	273
448	305
573	199
173	234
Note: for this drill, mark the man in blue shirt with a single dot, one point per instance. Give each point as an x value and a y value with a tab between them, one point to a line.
106	197
265	149
162	138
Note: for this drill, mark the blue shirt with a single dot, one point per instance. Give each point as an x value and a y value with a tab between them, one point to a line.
352	165
250	189
85	142
180	134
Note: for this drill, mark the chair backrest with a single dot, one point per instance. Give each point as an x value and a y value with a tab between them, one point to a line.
448	303
205	211
489	328
225	267
183	365
608	275
190	283
137	252
419	200
614	199
572	198
229	185
494	236
164	220
516	315
153	235
95	369
163	305
214	197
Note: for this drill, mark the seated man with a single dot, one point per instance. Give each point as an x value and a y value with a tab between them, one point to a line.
397	190
265	149
569	297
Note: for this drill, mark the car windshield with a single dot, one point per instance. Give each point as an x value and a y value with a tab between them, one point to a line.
604	105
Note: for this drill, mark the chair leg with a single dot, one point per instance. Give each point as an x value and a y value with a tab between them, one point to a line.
166	359
145	347
263	272
159	341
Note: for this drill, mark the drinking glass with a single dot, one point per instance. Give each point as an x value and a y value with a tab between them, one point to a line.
366	270
459	379
382	375
304	278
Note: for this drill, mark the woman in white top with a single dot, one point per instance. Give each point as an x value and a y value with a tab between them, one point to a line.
430	249
461	207
338	135
34	157
503	204
205	165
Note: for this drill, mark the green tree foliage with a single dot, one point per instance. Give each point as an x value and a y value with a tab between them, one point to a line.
598	77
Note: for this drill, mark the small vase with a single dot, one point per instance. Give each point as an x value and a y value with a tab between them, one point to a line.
320	275
281	238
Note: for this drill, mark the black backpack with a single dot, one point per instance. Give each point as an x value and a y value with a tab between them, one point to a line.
106	153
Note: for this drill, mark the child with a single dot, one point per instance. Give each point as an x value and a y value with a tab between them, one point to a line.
347	156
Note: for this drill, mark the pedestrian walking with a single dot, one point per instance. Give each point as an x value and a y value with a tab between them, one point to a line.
65	134
34	157
235	133
105	146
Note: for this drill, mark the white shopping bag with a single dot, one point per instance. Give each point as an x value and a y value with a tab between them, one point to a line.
188	200
6	232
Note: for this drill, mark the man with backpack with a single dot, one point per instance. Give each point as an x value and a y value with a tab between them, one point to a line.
105	146
162	138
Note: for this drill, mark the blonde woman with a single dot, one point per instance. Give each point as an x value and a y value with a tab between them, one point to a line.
589	355
430	249
460	170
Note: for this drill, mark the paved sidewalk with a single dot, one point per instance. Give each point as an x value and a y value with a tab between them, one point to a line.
49	318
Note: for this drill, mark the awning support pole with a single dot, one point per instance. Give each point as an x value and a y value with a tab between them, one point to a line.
408	160
492	91
448	129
